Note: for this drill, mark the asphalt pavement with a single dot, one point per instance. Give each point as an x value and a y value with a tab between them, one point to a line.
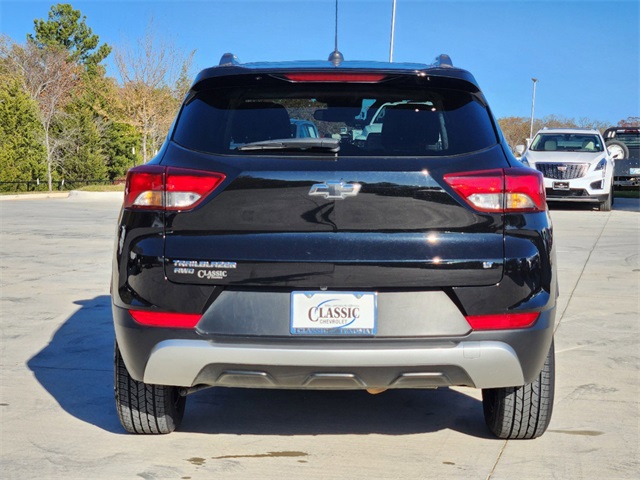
58	418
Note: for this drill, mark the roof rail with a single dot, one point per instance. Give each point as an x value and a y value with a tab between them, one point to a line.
443	60
229	59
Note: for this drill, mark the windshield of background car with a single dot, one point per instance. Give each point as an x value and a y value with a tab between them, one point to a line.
566	142
417	122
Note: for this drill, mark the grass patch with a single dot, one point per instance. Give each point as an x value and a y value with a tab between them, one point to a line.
102	188
627	192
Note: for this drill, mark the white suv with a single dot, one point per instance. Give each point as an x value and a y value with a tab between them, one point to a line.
575	164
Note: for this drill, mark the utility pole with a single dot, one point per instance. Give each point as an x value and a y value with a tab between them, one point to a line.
393	29
533	105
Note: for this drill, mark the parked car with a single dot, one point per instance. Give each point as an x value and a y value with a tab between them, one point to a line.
623	144
375	123
575	164
367	125
248	258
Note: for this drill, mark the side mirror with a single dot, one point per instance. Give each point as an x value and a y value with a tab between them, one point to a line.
520	149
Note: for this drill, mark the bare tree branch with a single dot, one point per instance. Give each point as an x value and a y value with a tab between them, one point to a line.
152	74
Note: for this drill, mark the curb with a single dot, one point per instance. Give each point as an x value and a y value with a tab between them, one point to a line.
79	194
33	196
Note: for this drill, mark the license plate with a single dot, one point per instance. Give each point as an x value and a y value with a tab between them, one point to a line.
561	185
333	313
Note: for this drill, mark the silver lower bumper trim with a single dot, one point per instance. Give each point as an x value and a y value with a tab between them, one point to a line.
179	362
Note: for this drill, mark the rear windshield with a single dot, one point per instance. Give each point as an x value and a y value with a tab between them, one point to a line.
629	137
566	142
363	120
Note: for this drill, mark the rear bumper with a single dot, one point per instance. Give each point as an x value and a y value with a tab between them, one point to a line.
574	195
593	187
626	180
481	359
197	362
627	171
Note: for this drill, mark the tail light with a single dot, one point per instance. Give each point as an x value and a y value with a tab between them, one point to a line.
165	319
501	190
502	321
335	77
168	188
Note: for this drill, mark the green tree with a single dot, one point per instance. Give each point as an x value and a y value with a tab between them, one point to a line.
22	153
122	149
67	28
49	79
82	127
82	146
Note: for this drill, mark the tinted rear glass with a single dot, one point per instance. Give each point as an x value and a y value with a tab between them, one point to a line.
630	138
368	120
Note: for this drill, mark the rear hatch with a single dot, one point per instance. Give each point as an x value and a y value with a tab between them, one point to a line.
630	165
330	213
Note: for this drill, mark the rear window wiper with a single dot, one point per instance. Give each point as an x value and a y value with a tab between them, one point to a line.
314	144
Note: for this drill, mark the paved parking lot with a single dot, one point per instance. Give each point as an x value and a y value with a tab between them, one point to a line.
58	418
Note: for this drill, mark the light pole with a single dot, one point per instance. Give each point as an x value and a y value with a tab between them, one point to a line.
393	30
533	105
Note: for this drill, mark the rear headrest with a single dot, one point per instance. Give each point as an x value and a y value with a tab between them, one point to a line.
256	121
410	127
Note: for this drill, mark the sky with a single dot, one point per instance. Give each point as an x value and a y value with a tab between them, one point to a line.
584	53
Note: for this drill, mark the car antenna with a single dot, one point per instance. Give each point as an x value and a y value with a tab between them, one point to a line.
336	57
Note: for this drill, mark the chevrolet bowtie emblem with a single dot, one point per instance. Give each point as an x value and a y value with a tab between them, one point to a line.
335	190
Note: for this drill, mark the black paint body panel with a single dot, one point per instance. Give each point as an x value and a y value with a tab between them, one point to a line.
405	232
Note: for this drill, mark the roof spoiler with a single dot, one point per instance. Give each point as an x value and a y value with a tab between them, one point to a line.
443	60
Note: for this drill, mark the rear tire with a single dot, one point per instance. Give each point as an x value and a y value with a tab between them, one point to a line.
522	412
146	408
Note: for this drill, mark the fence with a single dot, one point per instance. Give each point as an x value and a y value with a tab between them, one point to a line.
58	185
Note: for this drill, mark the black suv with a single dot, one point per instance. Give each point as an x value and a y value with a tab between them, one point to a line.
420	258
623	144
